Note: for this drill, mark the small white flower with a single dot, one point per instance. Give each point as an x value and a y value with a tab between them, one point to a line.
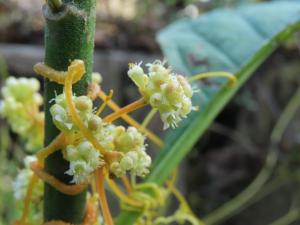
136	73
80	171
84	159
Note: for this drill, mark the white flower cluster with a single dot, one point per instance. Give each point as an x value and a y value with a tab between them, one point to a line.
162	89
130	143
83	157
20	106
21	183
60	115
135	159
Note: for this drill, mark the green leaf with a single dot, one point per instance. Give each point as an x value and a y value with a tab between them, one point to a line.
237	41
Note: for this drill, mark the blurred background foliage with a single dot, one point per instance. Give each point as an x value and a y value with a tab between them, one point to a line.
233	150
129	24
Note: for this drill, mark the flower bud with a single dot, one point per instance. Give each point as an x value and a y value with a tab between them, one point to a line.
188	91
95	123
126	163
83	103
136	73
71	153
96	78
84	148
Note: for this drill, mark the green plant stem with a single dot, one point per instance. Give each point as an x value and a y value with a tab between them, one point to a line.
149	117
292	216
267	189
233	206
286	117
69	35
236	204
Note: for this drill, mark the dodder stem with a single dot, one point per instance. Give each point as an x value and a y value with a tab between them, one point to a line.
132	122
102	198
129	108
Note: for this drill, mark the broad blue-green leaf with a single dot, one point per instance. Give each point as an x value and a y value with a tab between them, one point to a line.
237	41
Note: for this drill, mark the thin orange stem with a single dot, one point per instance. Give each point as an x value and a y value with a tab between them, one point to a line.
108	97
26	208
58	76
54	182
102	198
91	213
74	115
132	122
93	185
126	184
55	145
129	108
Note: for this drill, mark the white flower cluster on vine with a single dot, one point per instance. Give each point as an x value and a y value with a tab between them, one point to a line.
168	92
20	106
83	157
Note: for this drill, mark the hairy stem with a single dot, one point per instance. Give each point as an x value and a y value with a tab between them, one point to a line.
69	35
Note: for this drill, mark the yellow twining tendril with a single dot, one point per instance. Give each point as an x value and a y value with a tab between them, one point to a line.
129	108
230	76
55	145
102	198
72	71
59	76
91	215
107	98
25	212
126	184
131	121
54	182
